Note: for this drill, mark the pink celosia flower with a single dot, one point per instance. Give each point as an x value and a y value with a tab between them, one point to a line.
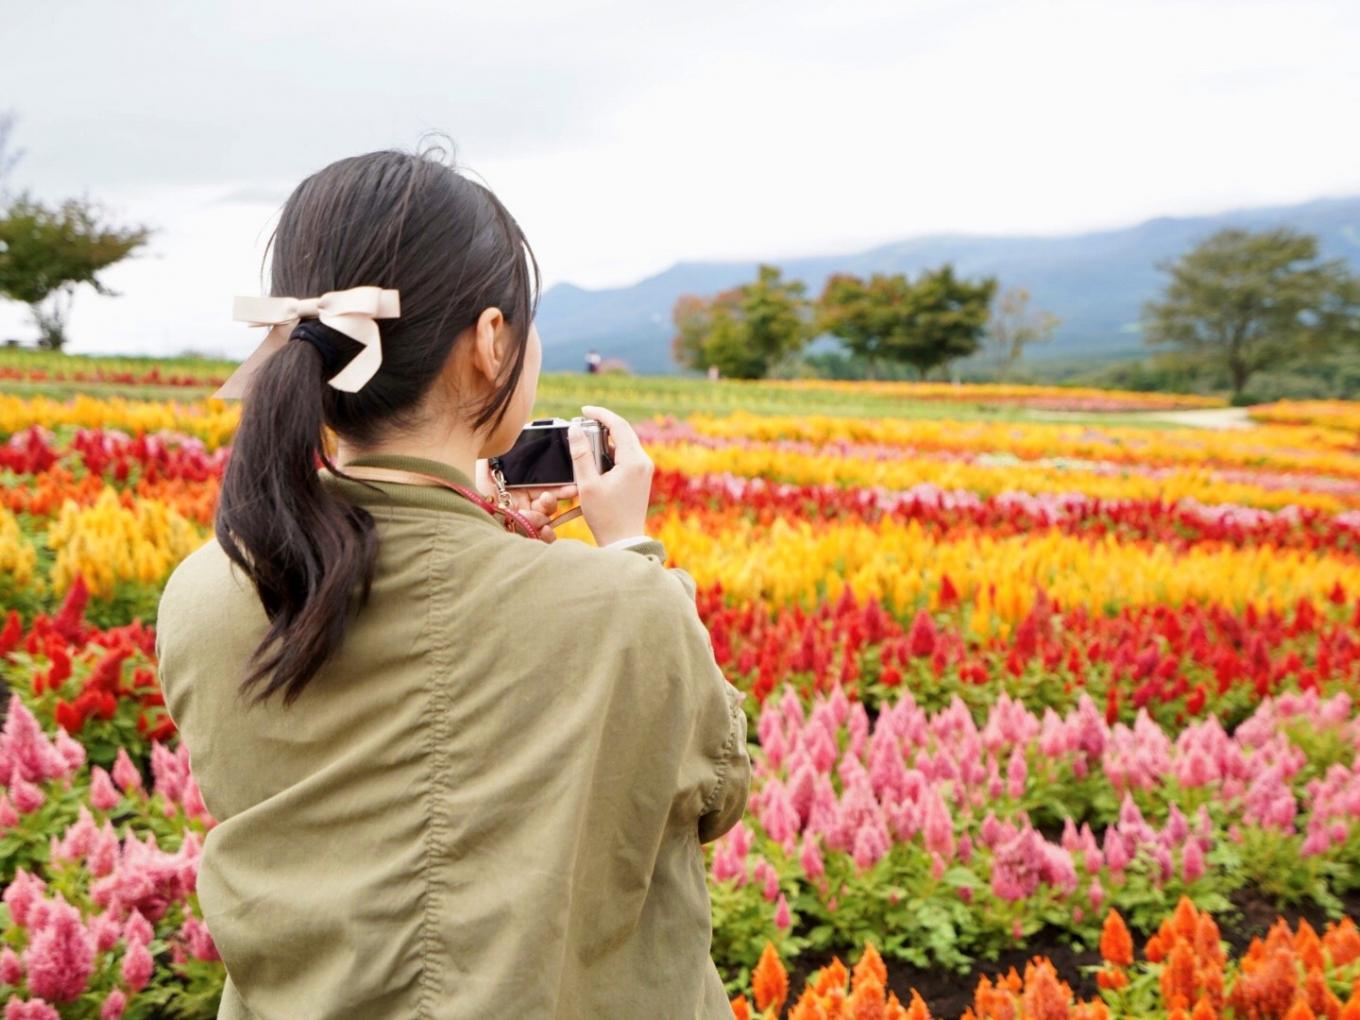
34	1009
114	1004
870	845
811	857
79	838
25	751
137	966
8	816
103	856
1095	892
11	967
72	751
27	797
103	795
199	942
1192	861
138	929
1017	773
106	930
22	894
125	773
60	955
781	913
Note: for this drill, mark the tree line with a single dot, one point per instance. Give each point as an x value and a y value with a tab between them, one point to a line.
748	331
1238	303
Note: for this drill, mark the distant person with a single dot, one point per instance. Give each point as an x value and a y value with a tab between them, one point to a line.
593	361
458	773
713	373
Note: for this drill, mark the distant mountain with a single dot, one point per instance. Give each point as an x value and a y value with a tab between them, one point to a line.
1096	282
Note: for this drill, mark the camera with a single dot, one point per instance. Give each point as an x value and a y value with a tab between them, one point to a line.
541	456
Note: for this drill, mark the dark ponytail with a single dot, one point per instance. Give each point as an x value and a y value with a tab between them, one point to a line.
449	247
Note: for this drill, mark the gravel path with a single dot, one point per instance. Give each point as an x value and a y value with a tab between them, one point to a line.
1210	418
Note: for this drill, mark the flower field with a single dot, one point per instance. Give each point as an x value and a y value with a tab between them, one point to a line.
1058	713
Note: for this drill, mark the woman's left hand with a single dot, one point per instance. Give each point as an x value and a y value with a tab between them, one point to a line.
538	505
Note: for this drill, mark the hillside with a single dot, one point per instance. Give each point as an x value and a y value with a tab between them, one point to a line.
1095	281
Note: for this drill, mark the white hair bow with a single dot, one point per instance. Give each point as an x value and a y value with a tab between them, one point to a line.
352	312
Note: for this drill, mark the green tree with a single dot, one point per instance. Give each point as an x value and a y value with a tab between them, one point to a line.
1013	326
924	324
950	320
868	318
46	254
1243	301
744	331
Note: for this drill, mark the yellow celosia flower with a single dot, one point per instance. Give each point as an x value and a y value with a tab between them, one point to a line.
109	543
902	564
213	421
17	555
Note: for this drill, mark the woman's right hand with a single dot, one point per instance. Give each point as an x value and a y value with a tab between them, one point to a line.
614	503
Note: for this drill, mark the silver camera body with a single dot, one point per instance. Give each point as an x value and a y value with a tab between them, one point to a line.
541	456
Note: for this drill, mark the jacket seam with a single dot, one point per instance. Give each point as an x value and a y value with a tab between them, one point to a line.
436	741
725	765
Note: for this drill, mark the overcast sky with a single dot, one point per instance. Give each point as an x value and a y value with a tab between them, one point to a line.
627	136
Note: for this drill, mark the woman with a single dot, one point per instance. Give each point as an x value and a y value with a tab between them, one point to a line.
457	772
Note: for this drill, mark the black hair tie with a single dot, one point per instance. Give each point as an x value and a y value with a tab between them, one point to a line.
317	333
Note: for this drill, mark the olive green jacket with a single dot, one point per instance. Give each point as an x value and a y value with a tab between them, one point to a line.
489	803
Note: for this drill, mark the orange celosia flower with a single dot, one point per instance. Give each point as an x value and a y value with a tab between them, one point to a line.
1300	1011
1309	947
1204	1010
866	1001
1045	997
1342	942
833	975
1350	1011
1116	945
1178	981
1186	919
917	1010
1112	979
741	1009
870	964
770	981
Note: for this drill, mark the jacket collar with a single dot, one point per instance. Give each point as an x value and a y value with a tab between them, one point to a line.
426	497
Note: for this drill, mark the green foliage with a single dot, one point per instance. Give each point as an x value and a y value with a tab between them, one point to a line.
45	254
924	324
743	332
1242	302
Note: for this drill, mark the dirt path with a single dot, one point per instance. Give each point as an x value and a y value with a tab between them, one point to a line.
1210	418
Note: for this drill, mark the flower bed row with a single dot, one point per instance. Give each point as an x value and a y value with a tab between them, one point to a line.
1293	973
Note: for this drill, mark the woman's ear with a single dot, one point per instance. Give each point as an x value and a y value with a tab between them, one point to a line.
489	343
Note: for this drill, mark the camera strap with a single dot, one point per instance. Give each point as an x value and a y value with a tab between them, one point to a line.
513	519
